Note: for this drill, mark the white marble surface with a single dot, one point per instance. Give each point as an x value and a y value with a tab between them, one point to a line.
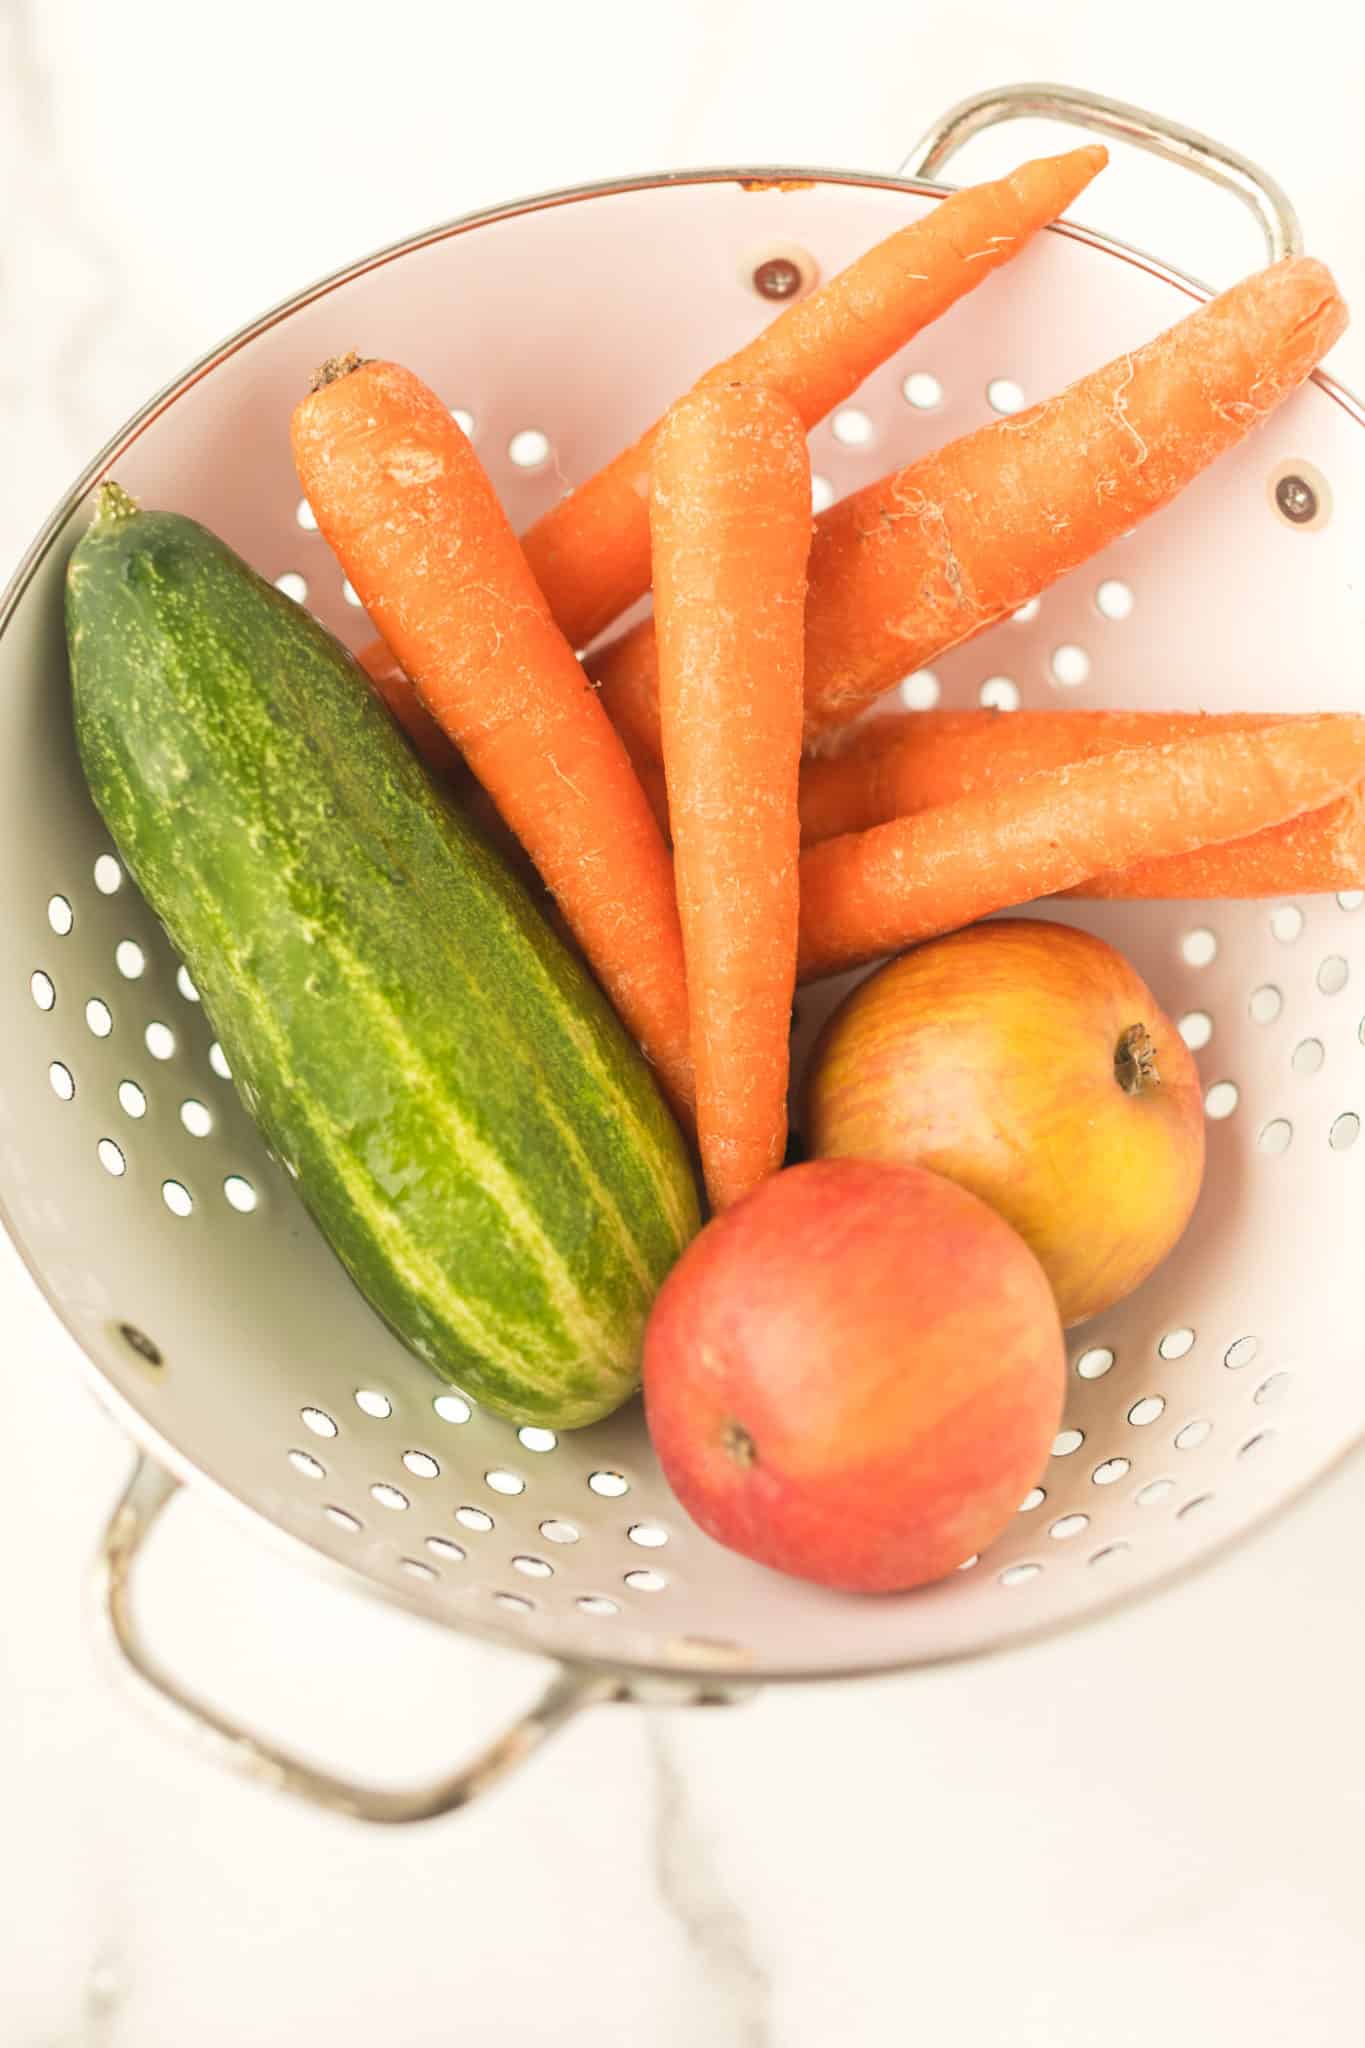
1148	1832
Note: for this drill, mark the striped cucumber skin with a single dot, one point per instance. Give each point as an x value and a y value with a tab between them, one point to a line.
480	1143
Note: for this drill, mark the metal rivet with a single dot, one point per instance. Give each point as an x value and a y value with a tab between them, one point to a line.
138	1341
1297	499
778	278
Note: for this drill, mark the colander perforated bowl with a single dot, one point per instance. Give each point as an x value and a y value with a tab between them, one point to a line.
216	1322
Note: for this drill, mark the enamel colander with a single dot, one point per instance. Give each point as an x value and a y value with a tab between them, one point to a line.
215	1322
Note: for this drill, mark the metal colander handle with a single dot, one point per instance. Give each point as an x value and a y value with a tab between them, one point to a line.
149	1491
1254	187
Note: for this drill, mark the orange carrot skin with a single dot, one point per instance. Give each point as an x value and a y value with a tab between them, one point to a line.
590	553
730	518
924	560
1309	856
935	553
874	892
626	675
407	508
912	760
909	761
635	716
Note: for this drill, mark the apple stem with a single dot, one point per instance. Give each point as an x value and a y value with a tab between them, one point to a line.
1135	1067
739	1445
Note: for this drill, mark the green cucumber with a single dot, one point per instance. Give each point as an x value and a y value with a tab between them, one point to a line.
478	1140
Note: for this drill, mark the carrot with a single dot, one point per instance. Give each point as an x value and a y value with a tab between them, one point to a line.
1318	852
445	762
590	552
872	892
730	522
406	506
932	555
909	761
626	673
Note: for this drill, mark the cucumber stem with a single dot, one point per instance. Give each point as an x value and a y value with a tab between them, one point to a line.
1135	1067
113	505
334	368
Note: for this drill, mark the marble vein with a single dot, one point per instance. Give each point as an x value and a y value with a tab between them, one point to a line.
691	1890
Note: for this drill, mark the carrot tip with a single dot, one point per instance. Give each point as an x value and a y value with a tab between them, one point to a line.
334	368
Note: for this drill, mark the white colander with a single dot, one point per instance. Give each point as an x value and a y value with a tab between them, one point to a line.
217	1325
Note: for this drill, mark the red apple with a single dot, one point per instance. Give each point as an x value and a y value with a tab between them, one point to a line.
855	1375
1029	1063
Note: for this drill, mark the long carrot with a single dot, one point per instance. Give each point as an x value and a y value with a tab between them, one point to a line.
908	568
872	892
730	523
406	506
590	552
932	555
1320	851
912	760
